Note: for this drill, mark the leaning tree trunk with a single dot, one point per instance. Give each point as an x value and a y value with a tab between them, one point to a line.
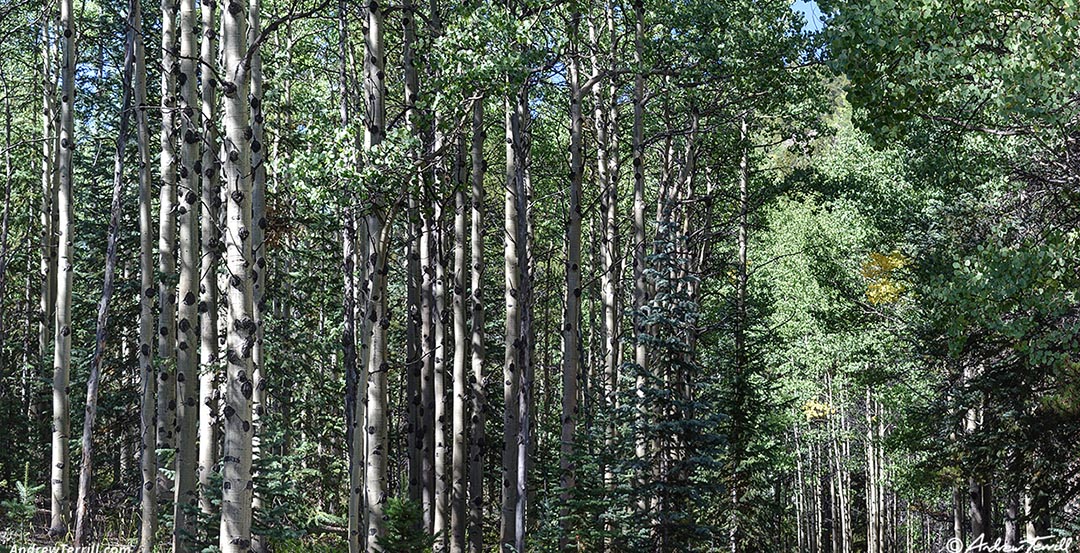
479	393
147	427
187	375
166	403
237	485
211	251
82	511
60	465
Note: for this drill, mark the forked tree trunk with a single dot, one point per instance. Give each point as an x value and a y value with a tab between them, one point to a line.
82	511
237	485
60	467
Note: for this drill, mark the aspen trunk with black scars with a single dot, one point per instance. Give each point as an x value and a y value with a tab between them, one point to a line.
571	327
414	265
82	510
741	378
477	442
237	485
211	253
354	435
442	427
166	402
427	377
187	360
50	183
526	372
378	233
459	409
641	289
60	467
513	342
258	248
605	116
147	291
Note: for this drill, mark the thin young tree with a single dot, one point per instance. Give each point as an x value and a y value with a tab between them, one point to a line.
571	327
60	467
147	423
459	410
166	402
210	239
478	393
82	510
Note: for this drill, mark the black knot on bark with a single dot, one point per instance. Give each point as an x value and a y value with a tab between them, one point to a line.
229	411
237	196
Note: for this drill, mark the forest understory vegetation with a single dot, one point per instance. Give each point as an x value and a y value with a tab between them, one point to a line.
523	276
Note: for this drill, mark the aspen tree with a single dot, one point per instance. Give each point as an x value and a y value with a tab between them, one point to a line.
166	402
82	510
571	327
258	244
458	472
513	342
147	423
378	235
237	484
187	209
479	394
210	239
60	467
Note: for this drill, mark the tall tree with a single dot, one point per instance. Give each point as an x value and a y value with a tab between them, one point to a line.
166	402
210	239
237	484
148	376
379	231
477	441
82	512
60	466
187	359
571	327
459	411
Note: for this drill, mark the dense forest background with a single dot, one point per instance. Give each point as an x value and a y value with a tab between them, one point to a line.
516	275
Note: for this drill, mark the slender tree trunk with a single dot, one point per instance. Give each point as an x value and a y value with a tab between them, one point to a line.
7	210
571	328
458	472
427	381
378	233
235	533
187	360
417	408
166	417
477	442
526	373
442	416
147	422
640	286
50	185
82	511
258	249
211	252
60	465
513	341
